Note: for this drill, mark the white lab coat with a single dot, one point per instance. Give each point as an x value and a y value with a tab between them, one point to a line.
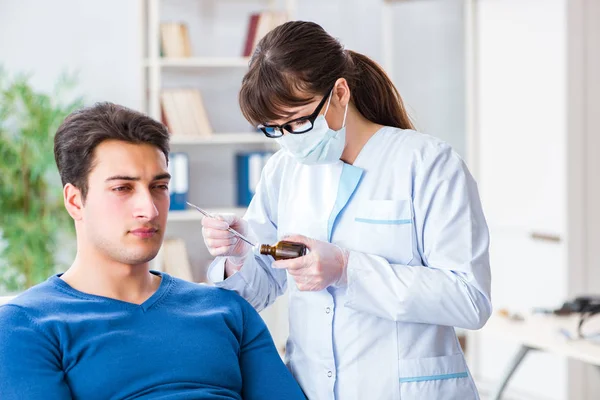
409	212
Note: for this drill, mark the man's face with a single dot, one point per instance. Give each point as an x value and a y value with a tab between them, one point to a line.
125	211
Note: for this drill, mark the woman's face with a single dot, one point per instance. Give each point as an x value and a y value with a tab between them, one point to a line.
331	105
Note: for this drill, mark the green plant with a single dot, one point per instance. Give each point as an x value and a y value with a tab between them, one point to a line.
32	215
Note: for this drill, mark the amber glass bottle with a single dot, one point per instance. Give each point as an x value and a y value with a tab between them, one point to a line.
283	250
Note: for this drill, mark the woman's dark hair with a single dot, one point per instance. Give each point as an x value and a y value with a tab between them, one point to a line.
300	58
83	130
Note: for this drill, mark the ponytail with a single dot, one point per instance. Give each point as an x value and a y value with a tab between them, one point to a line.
298	60
374	95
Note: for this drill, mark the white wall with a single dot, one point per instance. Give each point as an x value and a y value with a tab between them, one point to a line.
429	66
592	166
97	39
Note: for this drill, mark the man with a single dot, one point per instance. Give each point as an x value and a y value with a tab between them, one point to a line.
109	328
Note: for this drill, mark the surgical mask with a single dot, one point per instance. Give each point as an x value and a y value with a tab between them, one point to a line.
320	145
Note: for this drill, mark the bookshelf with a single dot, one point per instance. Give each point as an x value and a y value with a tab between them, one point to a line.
214	66
154	64
212	61
194	215
222	138
199	62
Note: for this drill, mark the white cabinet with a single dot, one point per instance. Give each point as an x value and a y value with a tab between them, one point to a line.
527	272
529	103
521	93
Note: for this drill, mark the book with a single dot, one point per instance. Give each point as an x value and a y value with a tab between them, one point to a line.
175	259
198	111
170	112
250	35
183	112
259	25
175	40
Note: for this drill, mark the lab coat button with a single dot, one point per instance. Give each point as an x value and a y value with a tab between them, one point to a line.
329	374
328	310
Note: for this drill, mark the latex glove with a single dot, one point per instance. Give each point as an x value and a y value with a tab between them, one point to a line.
324	266
221	242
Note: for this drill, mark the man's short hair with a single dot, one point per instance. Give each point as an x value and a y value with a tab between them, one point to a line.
83	130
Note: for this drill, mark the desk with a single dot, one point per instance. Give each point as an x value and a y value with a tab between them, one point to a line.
541	332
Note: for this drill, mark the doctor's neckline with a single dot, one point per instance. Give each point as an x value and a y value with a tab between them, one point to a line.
368	143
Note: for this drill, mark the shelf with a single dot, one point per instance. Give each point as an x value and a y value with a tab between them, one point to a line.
222	138
199	62
194	215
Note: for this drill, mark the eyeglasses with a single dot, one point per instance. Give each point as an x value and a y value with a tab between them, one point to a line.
295	126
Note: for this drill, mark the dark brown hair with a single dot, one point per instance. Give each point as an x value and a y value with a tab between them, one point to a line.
83	130
300	58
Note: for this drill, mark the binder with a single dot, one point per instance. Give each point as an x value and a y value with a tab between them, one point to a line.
249	167
179	188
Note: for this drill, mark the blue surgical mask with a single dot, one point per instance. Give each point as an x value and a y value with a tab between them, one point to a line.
320	145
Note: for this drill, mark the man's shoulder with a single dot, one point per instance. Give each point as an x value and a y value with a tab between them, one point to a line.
38	296
33	302
207	296
204	290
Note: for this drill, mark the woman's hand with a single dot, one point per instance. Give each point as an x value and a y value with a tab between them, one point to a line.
324	266
221	242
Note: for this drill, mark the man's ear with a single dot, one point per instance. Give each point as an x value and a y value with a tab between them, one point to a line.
73	201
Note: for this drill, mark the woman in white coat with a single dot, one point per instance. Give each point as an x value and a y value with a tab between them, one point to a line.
397	237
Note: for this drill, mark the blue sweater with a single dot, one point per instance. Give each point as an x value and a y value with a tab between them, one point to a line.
187	341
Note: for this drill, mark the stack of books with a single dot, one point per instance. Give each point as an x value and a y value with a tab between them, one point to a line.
183	112
259	25
175	40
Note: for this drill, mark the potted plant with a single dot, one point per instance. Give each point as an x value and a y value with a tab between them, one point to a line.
32	216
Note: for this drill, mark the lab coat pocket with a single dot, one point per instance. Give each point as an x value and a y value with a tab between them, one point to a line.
436	378
385	228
